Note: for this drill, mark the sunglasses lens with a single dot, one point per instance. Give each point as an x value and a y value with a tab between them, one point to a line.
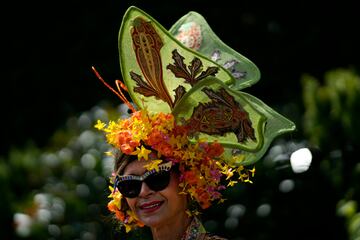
130	188
158	181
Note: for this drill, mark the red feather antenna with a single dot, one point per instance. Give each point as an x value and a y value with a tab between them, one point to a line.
120	85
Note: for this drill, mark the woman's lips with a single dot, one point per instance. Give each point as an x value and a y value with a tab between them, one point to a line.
151	206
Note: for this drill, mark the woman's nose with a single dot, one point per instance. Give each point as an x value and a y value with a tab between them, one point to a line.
145	190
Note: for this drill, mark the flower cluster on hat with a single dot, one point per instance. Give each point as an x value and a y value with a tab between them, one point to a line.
202	173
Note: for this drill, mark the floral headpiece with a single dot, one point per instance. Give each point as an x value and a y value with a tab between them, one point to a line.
186	84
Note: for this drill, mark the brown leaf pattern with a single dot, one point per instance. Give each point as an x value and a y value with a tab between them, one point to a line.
147	44
142	86
221	115
179	93
190	76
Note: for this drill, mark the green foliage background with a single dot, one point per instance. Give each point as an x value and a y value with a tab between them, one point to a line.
60	191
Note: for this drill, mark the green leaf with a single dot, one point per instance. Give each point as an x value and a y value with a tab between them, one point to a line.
146	49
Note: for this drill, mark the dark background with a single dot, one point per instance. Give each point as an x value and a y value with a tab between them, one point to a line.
52	46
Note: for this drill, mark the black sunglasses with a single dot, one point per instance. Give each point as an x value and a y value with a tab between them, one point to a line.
130	185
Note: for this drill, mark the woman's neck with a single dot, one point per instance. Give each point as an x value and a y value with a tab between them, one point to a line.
172	230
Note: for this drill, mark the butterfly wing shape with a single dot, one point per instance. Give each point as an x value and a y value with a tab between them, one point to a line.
194	32
197	86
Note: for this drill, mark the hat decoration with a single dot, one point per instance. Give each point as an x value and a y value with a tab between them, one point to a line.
190	108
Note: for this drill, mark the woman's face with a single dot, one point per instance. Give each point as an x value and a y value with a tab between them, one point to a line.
155	208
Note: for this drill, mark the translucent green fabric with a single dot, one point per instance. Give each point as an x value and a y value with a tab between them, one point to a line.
189	72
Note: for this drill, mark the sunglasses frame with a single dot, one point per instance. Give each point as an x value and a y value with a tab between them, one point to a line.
162	167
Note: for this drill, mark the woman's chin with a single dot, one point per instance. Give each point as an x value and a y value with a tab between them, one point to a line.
153	219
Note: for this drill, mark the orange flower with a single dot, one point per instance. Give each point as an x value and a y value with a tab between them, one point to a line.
155	138
120	215
126	148
204	198
140	224
134	143
215	149
123	138
190	177
166	149
112	207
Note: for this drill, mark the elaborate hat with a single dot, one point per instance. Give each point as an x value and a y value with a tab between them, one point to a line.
190	108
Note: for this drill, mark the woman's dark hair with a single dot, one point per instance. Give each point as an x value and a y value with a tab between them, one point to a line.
121	161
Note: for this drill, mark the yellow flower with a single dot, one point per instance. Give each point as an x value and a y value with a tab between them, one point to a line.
248	180
231	183
188	212
229	173
153	165
109	153
252	171
142	153
127	228
100	125
111	127
116	197
188	156
173	141
111	192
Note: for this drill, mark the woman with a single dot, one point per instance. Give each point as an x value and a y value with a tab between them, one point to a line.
193	131
156	201
161	179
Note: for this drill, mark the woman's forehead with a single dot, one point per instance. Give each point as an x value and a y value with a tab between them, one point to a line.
135	167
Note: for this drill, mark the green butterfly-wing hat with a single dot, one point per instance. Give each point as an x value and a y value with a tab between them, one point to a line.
200	86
